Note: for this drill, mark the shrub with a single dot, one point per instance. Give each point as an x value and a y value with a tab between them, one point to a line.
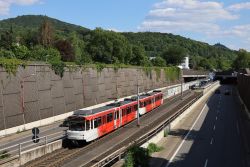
21	52
152	147
4	154
137	156
6	53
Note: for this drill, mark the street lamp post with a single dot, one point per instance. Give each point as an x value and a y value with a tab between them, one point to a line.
22	96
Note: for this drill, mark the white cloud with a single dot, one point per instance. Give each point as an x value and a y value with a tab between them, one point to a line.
6	4
202	19
239	6
240	31
186	15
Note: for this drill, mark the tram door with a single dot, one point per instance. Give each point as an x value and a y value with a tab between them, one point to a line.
116	119
153	102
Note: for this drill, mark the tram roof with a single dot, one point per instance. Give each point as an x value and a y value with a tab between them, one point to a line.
82	112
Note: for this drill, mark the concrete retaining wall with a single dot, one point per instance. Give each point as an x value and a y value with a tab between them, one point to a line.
168	91
35	93
244	90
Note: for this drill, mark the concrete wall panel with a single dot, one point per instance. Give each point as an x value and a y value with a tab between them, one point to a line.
47	94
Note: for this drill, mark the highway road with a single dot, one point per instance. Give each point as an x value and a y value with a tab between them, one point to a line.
214	139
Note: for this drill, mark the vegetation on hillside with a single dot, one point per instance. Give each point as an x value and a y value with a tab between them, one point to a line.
40	38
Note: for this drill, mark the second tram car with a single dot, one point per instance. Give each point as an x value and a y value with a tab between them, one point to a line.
88	125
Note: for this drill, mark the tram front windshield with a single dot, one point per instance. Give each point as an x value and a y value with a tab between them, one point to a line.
77	124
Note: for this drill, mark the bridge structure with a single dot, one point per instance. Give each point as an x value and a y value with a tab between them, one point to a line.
229	76
191	75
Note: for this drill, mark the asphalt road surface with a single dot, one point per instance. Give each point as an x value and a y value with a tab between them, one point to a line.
214	139
44	131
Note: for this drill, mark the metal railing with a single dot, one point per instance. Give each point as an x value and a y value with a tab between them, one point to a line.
15	151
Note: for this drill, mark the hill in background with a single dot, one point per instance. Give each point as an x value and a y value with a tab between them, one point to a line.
79	43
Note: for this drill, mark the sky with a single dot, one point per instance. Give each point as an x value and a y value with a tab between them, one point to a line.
210	21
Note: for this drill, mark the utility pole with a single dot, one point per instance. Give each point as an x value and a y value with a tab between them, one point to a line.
138	100
138	106
181	84
181	89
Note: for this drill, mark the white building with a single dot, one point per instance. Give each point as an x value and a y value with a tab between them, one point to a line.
185	63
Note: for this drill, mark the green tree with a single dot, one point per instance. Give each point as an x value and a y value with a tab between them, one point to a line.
139	57
66	50
206	64
6	53
242	60
223	64
159	61
79	47
46	34
44	54
109	47
7	39
174	55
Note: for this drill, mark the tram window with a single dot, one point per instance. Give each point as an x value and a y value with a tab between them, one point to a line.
104	119
135	107
145	103
117	114
87	124
123	112
128	110
77	125
97	122
141	104
110	117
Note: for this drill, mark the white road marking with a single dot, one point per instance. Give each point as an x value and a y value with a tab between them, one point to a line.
177	150
211	142
216	118
237	125
205	165
214	127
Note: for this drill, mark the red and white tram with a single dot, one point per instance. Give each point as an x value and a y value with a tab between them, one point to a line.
88	125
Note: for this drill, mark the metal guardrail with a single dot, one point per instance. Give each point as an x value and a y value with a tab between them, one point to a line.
146	137
16	151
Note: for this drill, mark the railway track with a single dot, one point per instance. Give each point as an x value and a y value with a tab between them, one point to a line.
61	156
134	136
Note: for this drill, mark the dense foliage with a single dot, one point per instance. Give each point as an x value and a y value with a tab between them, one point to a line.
138	156
40	38
242	60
